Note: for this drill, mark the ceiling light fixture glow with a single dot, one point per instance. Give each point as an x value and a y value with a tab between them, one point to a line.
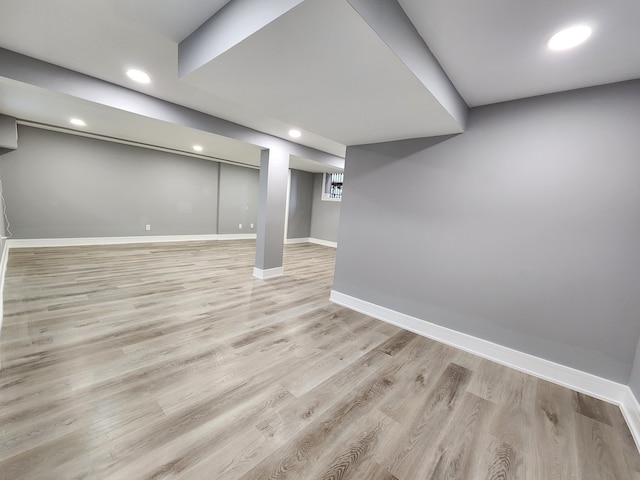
138	76
295	133
197	148
569	37
78	122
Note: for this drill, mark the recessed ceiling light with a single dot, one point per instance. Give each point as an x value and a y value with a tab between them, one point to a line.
138	76
569	37
197	148
78	122
294	133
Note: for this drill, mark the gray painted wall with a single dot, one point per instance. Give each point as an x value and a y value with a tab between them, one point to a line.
58	185
523	231
2	241
634	381
8	134
3	227
300	204
238	199
325	215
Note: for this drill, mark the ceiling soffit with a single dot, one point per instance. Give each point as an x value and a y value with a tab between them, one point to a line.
354	71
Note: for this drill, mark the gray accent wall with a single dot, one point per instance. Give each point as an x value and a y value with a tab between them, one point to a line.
3	226
8	134
300	204
62	186
3	231
523	231
238	199
634	381
325	215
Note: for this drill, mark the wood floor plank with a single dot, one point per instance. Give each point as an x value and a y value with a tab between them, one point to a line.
290	419
426	360
495	461
604	460
428	424
353	451
377	472
461	446
592	408
514	415
488	381
172	361
554	429
292	459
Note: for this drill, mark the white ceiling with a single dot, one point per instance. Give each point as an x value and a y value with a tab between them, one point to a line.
319	67
101	40
165	16
495	50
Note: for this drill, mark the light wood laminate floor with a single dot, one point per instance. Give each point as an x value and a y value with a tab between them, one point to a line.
171	361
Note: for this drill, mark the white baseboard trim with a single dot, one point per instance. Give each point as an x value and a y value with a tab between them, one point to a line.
73	242
631	410
268	273
3	270
295	241
236	236
325	243
317	241
569	377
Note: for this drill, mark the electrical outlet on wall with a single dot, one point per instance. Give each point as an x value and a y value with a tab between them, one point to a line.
147	227
240	226
252	225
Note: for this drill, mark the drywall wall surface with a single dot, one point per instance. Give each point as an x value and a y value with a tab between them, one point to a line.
300	204
3	260
3	225
634	381
8	134
272	210
238	199
523	230
63	186
325	214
